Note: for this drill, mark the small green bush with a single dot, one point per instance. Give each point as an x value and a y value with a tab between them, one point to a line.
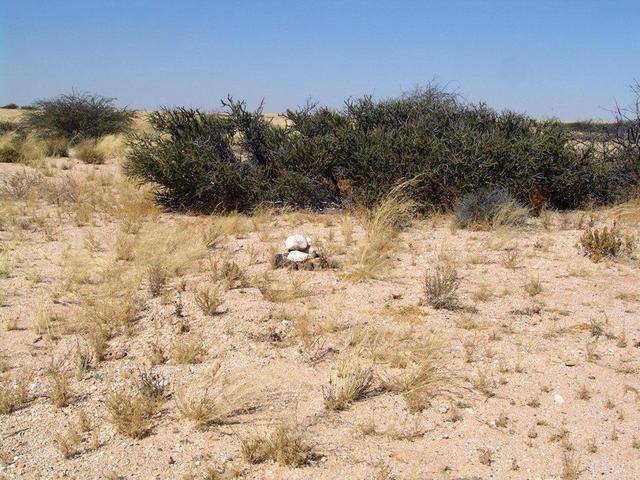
78	115
485	207
11	106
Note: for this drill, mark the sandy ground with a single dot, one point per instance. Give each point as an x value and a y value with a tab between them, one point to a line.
538	364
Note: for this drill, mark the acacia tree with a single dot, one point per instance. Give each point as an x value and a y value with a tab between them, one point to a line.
78	115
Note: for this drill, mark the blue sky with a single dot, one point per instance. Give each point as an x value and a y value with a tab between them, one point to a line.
568	59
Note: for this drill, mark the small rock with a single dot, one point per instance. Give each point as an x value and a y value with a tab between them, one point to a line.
287	323
296	242
558	398
296	256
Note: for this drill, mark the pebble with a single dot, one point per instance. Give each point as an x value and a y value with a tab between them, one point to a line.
558	398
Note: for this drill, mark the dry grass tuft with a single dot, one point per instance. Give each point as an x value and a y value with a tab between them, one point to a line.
188	349
132	409
208	300
423	378
216	399
533	287
59	385
14	393
112	146
285	445
441	285
353	381
68	442
88	152
382	226
570	467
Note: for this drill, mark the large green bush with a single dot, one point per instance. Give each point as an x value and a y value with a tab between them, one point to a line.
78	115
238	159
208	161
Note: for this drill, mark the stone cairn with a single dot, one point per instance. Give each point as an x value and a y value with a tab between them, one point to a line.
299	254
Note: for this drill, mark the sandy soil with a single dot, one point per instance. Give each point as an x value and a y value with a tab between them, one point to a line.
537	366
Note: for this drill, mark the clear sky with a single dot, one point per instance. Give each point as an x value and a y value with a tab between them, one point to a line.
570	59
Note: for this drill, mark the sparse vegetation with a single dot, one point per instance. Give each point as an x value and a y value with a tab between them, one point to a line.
131	409
116	310
606	242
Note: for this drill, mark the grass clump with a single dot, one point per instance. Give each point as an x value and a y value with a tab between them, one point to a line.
188	349
382	225
487	208
131	409
14	393
353	382
22	148
88	152
285	445
216	399
424	377
605	243
441	285
209	300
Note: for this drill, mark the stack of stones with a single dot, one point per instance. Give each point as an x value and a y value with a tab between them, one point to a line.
299	254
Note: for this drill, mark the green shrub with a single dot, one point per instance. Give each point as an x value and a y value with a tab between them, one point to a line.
485	207
447	147
194	163
78	115
189	158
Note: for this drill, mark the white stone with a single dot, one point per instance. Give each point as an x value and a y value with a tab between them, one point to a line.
296	242
558	398
295	256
